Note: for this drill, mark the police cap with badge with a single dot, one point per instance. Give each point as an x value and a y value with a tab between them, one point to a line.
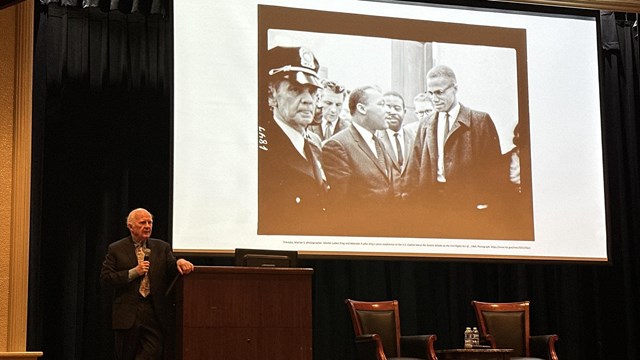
294	64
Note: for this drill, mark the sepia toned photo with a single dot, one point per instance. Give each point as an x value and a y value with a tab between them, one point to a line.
393	128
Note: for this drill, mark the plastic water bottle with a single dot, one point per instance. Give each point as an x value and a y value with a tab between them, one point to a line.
475	337
468	338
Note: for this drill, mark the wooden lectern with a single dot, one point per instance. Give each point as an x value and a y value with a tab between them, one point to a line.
233	313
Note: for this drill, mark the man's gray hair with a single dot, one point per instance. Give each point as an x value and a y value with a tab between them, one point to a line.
135	211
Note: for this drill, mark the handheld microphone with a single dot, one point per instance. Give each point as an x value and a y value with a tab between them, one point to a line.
147	254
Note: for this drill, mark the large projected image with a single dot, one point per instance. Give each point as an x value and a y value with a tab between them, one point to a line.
352	195
387	129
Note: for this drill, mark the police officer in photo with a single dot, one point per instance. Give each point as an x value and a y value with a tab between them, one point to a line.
291	182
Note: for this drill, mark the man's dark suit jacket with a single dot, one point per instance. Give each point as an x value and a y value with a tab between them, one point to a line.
471	203
121	256
291	201
360	187
400	171
316	127
473	160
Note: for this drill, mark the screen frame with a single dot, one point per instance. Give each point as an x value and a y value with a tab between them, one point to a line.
485	7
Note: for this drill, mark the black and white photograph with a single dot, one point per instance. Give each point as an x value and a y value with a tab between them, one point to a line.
469	186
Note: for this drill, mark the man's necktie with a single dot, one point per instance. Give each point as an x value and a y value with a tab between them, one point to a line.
145	286
399	147
380	154
446	129
327	131
313	161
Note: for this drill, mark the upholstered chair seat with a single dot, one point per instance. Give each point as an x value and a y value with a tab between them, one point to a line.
376	327
506	326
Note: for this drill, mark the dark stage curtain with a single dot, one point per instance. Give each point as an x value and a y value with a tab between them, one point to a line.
102	147
101	134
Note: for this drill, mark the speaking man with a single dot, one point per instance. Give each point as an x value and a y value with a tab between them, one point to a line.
140	270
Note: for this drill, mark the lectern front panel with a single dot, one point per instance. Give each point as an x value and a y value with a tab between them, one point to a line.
245	313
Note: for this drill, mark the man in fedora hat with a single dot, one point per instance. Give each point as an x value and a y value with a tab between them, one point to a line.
291	182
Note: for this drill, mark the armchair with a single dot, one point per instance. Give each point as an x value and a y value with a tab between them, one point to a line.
506	325
377	329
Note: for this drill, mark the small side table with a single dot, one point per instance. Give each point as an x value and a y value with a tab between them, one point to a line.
474	354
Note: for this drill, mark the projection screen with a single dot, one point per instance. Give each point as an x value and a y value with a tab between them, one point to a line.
533	72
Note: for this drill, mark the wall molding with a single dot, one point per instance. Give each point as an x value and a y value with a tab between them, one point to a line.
28	355
21	187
